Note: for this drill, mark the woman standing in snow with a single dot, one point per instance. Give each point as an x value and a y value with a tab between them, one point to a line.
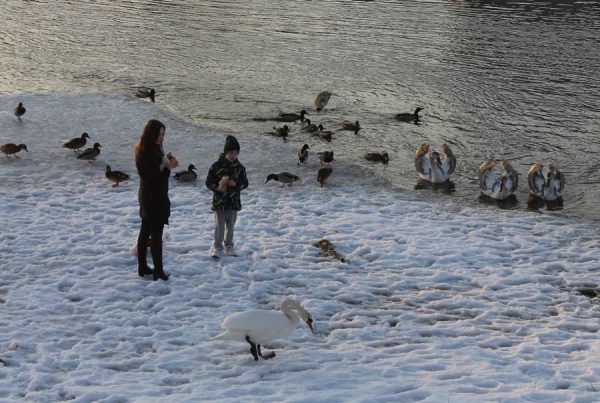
154	169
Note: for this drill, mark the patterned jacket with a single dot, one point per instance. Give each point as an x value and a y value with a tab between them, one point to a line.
230	199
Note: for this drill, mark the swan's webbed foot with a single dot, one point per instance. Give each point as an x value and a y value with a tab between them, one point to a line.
253	349
266	356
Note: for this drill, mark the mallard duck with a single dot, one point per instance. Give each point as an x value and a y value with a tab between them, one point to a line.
311	127
409	117
325	157
20	111
281	131
377	157
322	99
347	125
12	149
302	154
550	189
115	176
285	117
285	178
90	154
431	167
146	93
323	174
76	143
498	187
260	326
323	134
186	176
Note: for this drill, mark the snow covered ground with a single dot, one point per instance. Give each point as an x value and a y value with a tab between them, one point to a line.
435	303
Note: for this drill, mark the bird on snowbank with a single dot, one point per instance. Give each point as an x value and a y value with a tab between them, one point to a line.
260	326
76	143
20	111
115	176
302	154
12	149
285	178
186	176
90	154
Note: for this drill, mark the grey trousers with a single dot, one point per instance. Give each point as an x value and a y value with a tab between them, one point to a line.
224	223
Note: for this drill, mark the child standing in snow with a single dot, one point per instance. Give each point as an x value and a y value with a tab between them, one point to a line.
226	178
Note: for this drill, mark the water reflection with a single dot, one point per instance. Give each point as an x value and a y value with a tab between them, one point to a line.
447	187
535	203
510	203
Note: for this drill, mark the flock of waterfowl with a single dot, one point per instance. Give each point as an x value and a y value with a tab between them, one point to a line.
432	166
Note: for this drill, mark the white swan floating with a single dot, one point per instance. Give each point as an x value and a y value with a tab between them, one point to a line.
431	167
549	189
260	326
498	187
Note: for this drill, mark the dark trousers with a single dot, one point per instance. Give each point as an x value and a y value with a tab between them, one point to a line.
155	230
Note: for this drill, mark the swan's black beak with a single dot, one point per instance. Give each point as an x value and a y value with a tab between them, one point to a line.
309	323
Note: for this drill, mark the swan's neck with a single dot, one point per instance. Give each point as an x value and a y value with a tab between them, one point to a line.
289	313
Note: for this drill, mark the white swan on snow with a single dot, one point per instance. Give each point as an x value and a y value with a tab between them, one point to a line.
260	326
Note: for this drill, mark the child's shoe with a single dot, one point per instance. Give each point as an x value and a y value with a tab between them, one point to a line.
216	252
230	251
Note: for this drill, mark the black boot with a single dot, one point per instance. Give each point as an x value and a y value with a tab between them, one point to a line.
144	271
158	273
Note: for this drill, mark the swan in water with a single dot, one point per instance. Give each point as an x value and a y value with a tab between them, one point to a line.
432	167
501	187
550	189
260	326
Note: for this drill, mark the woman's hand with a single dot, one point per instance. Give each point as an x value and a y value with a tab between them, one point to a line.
173	163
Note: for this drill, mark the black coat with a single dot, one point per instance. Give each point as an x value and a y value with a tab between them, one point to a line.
154	185
230	199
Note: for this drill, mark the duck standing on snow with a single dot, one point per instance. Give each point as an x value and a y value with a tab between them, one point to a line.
347	125
115	176
500	187
285	178
302	154
20	111
186	176
323	174
12	149
377	157
260	326
76	143
325	157
432	167
409	117
146	93
90	154
550	189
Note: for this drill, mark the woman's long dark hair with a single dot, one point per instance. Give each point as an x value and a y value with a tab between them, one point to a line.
149	135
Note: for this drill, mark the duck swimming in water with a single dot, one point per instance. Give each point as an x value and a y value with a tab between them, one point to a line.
285	178
12	149
115	176
498	187
76	143
549	189
347	125
281	131
311	127
322	99
146	93
432	167
302	154
285	117
323	134
409	117
377	157
186	176
260	326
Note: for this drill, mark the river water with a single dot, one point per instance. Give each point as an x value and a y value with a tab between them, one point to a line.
497	79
